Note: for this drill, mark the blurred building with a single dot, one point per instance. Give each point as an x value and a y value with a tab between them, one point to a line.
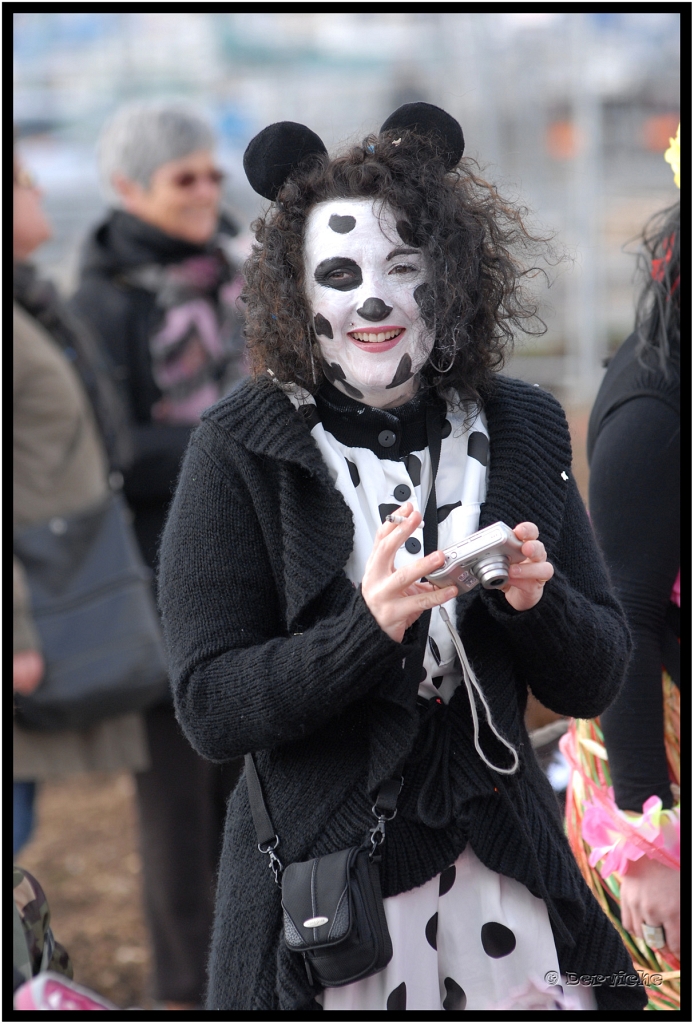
571	112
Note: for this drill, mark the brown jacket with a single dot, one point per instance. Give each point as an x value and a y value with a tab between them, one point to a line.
59	468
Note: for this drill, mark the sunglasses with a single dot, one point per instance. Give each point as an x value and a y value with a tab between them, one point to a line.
187	179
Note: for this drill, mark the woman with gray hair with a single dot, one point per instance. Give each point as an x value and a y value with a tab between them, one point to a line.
159	287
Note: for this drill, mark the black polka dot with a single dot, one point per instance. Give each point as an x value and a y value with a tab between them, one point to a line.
310	414
433	646
455	997
397	1000
478	447
412	545
446	880
402	492
446	428
497	940
323	326
445	510
423	675
414	468
342	225
386	510
437	680
353	472
431	929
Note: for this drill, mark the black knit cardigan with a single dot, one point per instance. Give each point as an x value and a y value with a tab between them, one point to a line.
273	650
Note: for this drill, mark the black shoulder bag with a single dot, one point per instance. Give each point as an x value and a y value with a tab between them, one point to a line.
332	905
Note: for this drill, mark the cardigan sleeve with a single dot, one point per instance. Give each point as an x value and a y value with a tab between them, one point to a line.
573	647
240	683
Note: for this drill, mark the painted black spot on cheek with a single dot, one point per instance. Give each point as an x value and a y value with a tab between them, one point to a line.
455	996
342	224
497	940
351	390
478	447
323	326
424	298
333	371
406	232
403	372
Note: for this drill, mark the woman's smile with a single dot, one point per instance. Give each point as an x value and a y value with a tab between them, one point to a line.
377	339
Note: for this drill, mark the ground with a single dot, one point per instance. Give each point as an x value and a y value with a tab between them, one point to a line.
85	855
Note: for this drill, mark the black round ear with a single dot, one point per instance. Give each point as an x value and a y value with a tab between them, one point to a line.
426	119
275	152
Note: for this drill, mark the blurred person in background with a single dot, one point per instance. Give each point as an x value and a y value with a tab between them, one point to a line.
60	467
634	453
160	289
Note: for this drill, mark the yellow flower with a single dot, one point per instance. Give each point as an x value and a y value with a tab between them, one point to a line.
672	155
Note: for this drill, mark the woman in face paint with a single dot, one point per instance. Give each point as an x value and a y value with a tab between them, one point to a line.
363	282
384	289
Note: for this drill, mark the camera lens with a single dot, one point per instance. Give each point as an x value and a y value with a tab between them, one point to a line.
492	572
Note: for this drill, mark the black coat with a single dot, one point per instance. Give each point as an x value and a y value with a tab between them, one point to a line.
273	650
635	464
123	314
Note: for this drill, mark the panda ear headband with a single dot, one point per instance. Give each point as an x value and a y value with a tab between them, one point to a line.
281	148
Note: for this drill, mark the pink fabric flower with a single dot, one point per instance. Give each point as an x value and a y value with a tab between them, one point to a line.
617	837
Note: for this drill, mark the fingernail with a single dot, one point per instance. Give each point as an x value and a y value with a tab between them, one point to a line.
514	570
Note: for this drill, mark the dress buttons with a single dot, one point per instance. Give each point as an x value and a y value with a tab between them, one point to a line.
402	492
387	439
412	545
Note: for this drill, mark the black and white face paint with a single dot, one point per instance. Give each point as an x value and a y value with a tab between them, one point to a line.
364	283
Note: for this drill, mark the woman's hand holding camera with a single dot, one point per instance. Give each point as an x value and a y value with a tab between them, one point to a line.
527	579
395	597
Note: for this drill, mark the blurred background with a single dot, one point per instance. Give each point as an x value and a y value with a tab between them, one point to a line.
569	112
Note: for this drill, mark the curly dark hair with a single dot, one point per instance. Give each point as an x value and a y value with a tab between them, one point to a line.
658	306
476	242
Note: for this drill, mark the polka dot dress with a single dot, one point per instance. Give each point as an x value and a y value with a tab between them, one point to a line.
468	937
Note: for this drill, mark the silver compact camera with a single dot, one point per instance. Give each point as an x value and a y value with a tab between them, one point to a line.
483	557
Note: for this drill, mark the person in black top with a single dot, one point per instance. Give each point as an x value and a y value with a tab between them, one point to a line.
634	454
381	296
158	286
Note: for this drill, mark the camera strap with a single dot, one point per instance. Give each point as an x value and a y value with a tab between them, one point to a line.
430	532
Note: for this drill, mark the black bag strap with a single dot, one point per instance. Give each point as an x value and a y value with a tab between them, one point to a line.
261	819
385	809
